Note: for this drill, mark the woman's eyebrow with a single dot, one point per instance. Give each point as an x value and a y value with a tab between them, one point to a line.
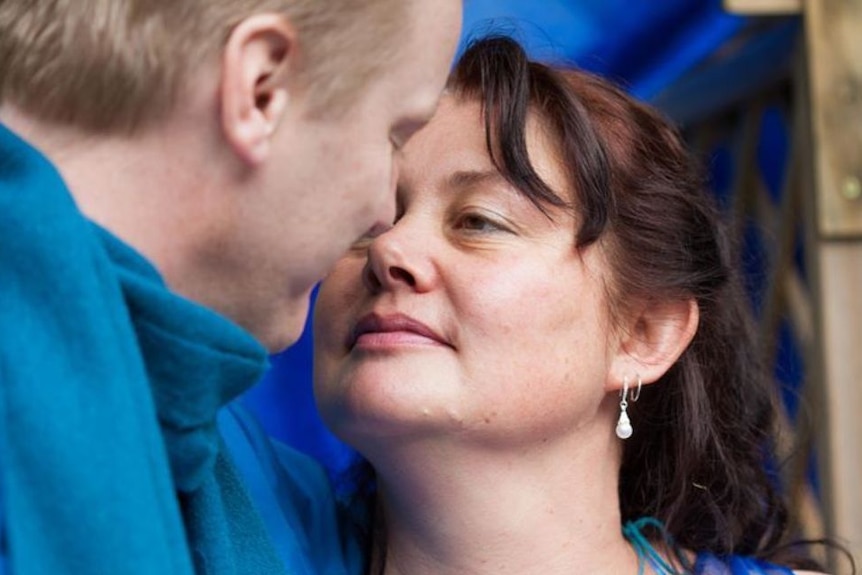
469	178
460	181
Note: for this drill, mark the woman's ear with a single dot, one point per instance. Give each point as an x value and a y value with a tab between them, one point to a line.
651	342
257	63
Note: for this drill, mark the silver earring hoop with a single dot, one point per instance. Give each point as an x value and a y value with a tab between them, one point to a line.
637	394
624	425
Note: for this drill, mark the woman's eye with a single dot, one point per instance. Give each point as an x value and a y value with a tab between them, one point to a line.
361	243
477	223
365	239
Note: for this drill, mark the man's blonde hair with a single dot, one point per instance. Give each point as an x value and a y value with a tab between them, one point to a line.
114	66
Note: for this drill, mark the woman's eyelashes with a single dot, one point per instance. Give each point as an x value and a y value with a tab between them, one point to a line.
363	241
475	222
480	221
472	223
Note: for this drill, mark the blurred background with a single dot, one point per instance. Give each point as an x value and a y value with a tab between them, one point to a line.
769	93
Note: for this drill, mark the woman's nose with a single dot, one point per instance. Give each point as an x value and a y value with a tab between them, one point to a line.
398	259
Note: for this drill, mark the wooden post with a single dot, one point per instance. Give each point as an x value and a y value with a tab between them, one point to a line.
834	56
763	7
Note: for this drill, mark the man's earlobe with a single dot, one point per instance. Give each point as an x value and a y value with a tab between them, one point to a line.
257	63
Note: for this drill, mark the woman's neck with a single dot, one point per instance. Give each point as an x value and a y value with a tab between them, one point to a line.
555	509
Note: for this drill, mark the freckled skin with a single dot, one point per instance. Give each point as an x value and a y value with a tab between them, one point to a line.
477	262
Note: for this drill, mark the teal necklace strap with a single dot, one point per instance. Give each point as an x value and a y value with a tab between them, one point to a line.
646	553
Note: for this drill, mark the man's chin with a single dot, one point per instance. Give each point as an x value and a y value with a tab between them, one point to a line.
287	328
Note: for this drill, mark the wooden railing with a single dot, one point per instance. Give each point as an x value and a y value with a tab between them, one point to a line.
817	212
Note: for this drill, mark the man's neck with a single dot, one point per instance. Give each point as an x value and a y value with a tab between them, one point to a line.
125	183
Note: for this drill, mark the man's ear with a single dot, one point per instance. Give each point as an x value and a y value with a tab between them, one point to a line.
653	340
257	62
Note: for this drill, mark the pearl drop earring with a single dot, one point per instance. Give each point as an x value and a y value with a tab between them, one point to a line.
624	425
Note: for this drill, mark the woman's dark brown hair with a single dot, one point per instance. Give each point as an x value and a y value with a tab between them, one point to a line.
704	432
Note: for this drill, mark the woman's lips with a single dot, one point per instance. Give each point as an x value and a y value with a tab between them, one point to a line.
392	330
